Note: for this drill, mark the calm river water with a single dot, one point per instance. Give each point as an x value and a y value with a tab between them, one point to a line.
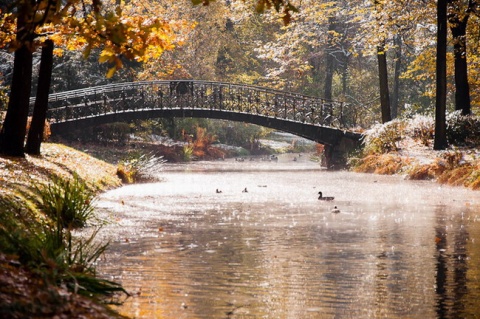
397	249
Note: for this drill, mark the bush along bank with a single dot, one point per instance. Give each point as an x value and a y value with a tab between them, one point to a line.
404	146
45	269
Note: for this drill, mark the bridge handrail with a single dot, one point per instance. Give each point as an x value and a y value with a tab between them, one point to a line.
114	87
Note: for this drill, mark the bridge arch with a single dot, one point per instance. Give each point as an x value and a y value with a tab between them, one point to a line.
305	116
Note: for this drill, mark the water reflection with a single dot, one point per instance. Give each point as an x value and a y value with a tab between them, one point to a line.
397	249
451	276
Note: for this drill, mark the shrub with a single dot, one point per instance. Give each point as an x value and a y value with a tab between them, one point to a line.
124	172
385	164
383	138
420	172
202	143
457	176
117	132
463	129
453	159
421	128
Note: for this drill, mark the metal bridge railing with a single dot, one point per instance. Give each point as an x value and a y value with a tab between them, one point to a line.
193	94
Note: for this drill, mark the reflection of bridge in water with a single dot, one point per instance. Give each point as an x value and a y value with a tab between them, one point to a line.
313	118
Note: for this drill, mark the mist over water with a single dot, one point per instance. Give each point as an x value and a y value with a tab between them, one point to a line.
397	249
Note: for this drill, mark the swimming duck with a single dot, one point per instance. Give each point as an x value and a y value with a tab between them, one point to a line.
245	190
320	197
218	191
335	210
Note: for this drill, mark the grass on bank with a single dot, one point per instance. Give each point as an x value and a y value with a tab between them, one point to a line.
405	146
42	201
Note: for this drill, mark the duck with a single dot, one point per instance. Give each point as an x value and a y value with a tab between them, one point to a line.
321	197
245	190
335	210
218	191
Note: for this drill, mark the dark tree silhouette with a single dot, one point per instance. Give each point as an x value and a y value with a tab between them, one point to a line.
383	77
396	76
383	73
440	140
12	134
458	25
37	125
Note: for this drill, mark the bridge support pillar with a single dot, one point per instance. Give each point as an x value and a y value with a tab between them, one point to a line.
336	155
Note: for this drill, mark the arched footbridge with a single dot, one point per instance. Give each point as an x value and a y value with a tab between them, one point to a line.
313	118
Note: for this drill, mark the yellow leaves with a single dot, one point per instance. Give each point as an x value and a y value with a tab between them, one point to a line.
111	72
107	55
7	29
283	6
134	37
58	51
122	31
56	38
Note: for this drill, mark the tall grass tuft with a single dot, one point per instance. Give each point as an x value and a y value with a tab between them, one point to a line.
139	167
49	247
187	152
54	253
66	201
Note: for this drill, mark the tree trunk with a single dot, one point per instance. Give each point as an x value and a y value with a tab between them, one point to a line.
330	61
462	89
12	134
440	140
35	134
345	75
383	77
327	93
396	76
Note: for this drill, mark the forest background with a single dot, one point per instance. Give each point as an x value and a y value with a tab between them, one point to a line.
385	59
381	57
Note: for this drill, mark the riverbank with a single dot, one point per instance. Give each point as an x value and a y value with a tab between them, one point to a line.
405	147
25	292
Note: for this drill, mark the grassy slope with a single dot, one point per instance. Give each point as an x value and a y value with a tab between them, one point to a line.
23	294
